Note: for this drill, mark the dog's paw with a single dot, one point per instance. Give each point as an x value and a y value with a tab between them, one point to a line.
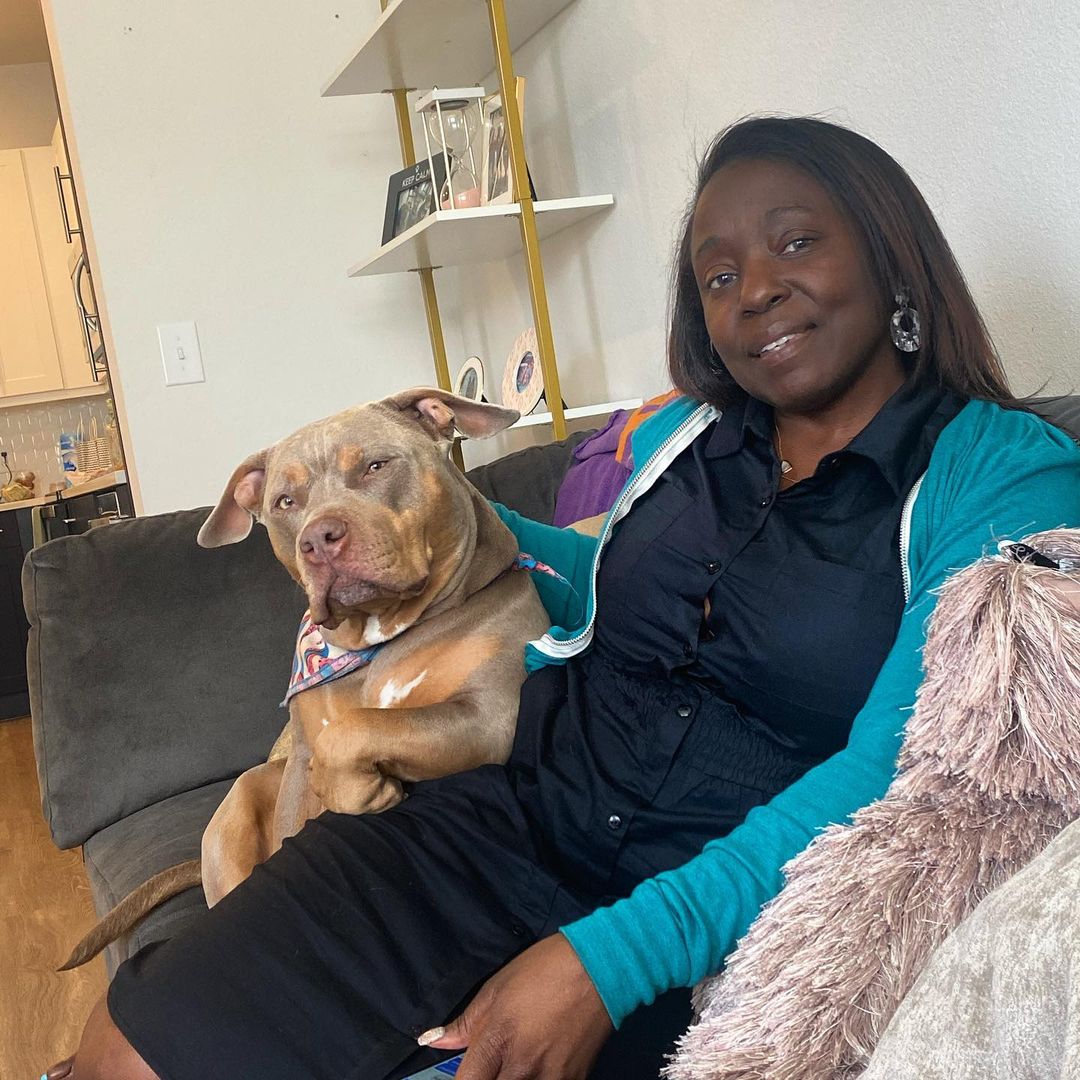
364	793
345	778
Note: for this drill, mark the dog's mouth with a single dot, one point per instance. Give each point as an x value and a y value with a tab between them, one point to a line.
333	601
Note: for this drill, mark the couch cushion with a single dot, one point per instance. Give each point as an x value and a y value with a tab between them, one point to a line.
155	666
528	481
128	852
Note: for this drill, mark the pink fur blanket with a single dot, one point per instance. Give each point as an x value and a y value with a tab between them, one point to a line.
989	773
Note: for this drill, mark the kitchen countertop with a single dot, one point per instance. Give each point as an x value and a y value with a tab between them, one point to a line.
99	483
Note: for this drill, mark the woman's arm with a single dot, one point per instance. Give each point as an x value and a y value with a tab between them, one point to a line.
569	552
676	928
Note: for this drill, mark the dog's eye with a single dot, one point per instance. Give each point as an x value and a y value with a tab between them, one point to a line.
375	466
283	502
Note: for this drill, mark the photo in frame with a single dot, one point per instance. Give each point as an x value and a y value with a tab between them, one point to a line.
496	188
470	380
523	379
410	195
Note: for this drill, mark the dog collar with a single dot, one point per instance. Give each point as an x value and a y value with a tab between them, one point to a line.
317	661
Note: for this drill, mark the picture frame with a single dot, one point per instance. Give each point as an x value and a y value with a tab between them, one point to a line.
496	188
470	380
410	195
523	378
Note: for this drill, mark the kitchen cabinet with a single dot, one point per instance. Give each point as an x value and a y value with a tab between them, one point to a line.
57	262
14	700
42	344
29	362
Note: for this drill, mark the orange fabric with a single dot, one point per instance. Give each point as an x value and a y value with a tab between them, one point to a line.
624	451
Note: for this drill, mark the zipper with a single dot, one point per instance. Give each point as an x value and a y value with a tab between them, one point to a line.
549	645
905	537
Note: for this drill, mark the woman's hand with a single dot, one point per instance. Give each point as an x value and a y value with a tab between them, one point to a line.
539	1017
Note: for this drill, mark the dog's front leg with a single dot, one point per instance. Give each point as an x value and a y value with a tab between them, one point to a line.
361	755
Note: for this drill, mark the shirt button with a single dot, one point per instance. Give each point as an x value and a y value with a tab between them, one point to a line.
765	502
713	567
614	822
517	929
688	650
684	711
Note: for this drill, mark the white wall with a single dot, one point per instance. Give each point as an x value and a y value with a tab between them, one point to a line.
222	188
27	105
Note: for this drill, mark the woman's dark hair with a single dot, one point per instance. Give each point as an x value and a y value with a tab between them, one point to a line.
904	244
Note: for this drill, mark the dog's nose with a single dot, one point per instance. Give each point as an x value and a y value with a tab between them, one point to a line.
323	539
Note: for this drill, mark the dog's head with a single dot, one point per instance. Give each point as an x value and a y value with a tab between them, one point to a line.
363	508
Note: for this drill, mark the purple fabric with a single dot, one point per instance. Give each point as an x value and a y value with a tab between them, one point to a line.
595	478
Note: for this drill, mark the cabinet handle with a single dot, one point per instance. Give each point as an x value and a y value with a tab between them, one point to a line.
69	232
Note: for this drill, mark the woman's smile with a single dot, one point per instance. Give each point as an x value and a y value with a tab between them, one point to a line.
783	345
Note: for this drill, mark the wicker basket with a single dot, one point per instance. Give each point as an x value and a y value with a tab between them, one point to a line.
92	454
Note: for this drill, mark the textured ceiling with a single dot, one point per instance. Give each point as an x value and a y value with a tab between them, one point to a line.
22	32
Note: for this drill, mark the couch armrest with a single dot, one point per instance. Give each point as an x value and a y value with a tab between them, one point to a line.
154	666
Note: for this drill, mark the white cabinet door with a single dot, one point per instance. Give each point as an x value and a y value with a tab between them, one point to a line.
28	360
53	247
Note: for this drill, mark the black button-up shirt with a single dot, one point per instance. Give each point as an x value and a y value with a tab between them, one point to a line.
804	585
671	727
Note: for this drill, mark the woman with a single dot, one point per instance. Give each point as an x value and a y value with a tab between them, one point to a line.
740	678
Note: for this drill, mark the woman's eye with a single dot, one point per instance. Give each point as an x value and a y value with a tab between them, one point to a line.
283	502
375	466
800	243
720	281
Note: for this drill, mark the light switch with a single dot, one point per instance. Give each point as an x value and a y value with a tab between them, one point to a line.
180	353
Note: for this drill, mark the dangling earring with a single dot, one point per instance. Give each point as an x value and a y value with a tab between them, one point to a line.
905	328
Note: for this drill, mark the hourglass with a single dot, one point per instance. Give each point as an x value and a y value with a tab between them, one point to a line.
452	123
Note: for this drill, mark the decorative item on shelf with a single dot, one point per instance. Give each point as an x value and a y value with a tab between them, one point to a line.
470	380
452	125
410	195
495	186
523	381
93	454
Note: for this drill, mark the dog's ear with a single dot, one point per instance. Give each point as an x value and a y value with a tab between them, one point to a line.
442	413
230	521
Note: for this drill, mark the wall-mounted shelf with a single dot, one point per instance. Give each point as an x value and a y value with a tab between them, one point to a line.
417	44
481	234
420	44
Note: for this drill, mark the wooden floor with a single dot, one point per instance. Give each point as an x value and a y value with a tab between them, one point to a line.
45	907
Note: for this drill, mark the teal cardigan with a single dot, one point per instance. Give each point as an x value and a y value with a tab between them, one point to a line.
994	474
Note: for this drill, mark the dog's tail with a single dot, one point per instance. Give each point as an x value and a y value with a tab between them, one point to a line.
134	908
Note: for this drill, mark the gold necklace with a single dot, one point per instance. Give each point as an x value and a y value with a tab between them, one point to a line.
786	468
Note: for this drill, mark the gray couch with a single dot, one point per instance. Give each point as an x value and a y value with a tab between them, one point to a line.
155	672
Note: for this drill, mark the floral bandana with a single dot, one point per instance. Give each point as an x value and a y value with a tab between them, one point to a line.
317	661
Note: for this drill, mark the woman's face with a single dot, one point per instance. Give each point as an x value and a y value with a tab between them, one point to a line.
788	295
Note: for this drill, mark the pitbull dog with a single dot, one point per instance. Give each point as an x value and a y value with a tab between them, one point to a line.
395	550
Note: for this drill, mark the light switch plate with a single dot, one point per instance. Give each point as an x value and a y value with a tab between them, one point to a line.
180	353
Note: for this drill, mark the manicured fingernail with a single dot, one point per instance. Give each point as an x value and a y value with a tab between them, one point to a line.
431	1035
